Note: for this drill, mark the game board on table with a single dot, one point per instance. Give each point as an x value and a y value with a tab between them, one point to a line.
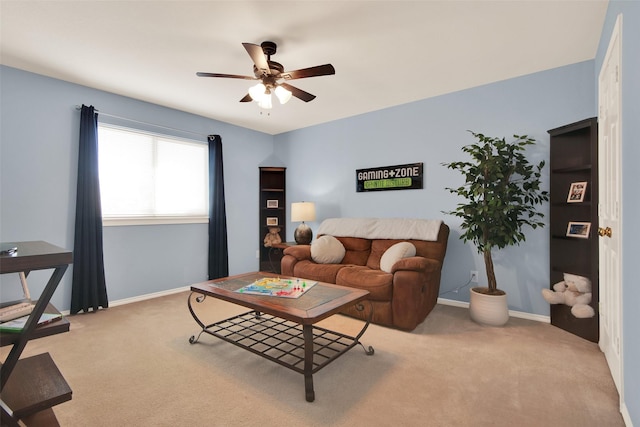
277	287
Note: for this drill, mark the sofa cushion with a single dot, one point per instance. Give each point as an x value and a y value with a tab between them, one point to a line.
394	253
321	272
357	250
377	282
327	250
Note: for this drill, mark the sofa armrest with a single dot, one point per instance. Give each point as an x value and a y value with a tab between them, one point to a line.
416	284
416	263
291	256
299	252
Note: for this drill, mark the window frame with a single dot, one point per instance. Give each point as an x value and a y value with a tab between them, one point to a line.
146	219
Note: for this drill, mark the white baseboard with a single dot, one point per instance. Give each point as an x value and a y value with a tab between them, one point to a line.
141	297
625	414
512	313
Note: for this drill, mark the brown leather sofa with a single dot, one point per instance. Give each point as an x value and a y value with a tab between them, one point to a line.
401	298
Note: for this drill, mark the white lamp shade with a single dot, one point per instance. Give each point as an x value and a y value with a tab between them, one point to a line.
257	92
303	211
265	102
283	94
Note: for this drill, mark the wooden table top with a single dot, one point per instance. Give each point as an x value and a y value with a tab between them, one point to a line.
35	255
319	302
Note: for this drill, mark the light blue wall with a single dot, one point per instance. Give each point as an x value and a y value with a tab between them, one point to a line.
630	233
322	160
38	169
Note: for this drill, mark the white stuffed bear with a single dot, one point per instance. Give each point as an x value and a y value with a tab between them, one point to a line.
574	291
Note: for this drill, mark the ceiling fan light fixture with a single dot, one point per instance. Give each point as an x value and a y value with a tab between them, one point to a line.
269	72
257	92
283	94
265	102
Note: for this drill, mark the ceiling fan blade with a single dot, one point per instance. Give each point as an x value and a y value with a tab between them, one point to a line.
298	93
257	56
247	98
319	70
229	76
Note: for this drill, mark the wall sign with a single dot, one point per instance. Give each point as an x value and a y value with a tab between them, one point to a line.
400	177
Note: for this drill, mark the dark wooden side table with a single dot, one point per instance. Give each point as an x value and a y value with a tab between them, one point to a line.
276	252
30	387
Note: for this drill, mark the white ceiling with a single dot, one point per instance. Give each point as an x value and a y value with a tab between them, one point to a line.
385	53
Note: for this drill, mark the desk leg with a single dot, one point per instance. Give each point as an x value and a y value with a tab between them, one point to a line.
12	359
307	332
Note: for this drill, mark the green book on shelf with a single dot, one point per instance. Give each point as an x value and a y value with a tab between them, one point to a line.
17	325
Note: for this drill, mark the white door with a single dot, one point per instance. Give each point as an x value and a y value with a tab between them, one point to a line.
609	177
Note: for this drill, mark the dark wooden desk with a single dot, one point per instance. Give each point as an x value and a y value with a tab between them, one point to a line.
282	329
32	385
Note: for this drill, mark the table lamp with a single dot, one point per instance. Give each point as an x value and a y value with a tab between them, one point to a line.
303	211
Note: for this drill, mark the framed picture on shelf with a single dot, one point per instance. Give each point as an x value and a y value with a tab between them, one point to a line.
579	229
272	220
576	192
272	204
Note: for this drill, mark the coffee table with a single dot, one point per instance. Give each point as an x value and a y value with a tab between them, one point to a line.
282	329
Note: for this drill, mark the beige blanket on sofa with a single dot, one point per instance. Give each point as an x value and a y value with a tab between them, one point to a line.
382	228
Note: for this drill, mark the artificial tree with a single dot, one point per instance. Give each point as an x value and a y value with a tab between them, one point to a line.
501	190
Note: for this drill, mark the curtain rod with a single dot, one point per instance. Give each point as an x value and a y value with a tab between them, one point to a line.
79	107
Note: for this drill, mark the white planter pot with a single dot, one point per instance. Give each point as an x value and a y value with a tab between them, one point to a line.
491	310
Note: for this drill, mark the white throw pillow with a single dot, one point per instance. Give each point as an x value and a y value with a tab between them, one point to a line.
327	250
394	253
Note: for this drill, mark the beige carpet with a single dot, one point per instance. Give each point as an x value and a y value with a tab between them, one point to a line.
133	365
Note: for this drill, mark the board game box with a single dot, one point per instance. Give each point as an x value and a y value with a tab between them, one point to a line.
277	287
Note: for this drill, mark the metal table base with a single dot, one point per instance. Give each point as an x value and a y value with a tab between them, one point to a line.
303	348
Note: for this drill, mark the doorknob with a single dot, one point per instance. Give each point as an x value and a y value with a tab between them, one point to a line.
604	231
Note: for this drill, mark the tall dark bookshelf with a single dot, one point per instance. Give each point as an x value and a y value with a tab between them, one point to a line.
574	158
273	208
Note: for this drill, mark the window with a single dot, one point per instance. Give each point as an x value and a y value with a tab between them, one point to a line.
147	178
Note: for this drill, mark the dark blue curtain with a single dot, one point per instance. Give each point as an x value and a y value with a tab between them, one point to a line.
88	288
218	250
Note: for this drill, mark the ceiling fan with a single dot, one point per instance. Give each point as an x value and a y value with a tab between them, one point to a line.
270	73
